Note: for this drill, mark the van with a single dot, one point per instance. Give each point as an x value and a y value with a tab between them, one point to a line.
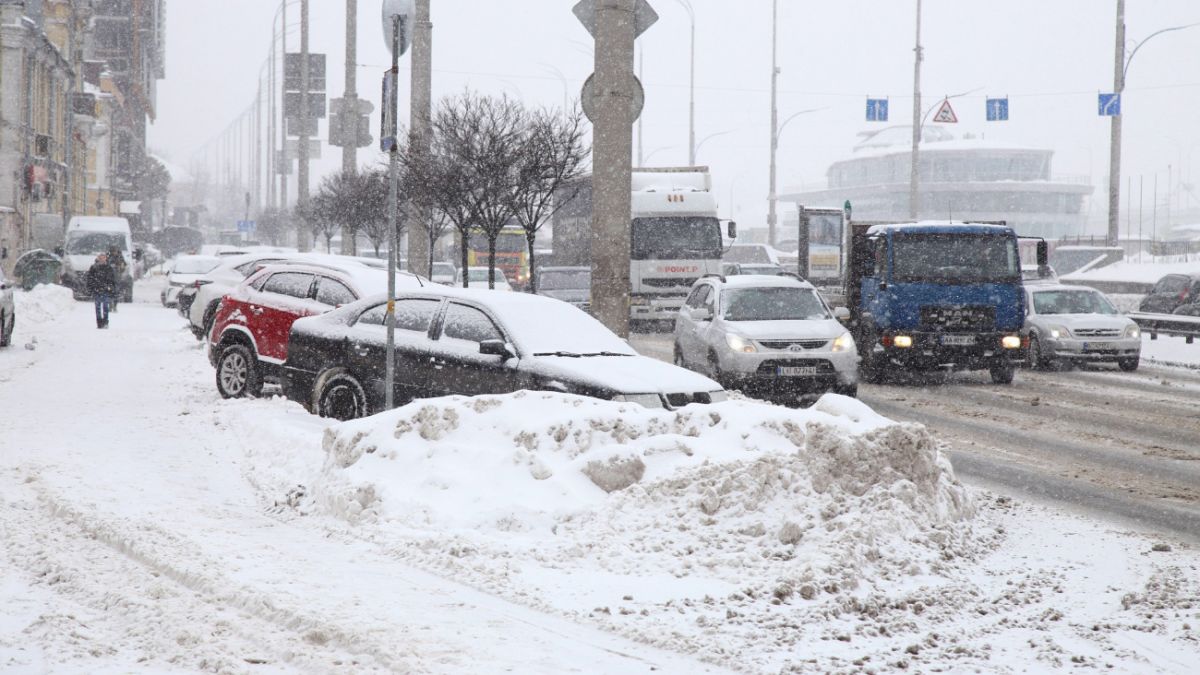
89	236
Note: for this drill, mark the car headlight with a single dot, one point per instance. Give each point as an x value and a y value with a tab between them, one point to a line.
1011	342
1133	331
903	341
843	343
740	344
644	400
1058	332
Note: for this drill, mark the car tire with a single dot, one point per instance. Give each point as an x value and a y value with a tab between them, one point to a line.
1129	365
6	330
1003	374
238	374
339	395
1036	360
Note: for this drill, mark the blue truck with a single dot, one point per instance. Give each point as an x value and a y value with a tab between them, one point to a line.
936	296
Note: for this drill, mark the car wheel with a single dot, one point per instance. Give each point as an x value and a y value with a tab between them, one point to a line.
1036	360
339	395
237	373
6	332
1129	365
1003	374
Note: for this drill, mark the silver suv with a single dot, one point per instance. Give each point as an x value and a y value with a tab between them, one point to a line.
771	336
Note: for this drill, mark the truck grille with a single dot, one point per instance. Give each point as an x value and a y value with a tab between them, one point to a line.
958	317
1097	332
783	345
670	283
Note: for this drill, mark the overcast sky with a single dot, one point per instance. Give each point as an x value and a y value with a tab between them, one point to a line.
1051	57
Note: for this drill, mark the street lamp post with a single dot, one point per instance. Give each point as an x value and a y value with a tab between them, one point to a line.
772	214
696	152
914	171
397	18
687	4
773	197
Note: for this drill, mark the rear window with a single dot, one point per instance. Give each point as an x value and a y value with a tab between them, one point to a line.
412	315
333	293
294	284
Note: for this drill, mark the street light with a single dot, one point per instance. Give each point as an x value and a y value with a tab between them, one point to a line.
773	196
656	151
1121	69
706	139
914	194
561	78
687	5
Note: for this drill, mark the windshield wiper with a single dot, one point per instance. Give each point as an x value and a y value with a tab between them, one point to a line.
572	355
606	354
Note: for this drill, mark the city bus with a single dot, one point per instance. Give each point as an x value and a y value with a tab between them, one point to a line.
512	253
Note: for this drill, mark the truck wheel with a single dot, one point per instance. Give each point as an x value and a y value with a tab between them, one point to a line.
1129	365
1003	374
339	395
237	373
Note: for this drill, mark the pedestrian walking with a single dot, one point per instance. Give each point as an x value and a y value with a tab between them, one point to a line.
102	284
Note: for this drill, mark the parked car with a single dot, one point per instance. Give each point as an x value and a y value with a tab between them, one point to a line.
199	303
8	310
184	271
772	336
1171	292
1031	274
443	273
477	277
1077	324
570	284
469	342
249	337
89	236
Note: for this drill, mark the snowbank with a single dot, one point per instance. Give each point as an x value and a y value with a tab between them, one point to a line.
1129	271
43	304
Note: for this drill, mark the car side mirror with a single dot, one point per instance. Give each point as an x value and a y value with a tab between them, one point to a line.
731	230
841	313
496	348
700	314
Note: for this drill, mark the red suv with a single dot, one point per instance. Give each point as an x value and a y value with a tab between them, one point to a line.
249	339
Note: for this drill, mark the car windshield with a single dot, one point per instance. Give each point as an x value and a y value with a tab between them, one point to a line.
83	243
676	238
557	328
955	258
481	274
565	280
194	265
443	269
782	303
761	269
507	242
1072	302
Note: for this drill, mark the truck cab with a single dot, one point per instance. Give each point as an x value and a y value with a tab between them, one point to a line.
936	295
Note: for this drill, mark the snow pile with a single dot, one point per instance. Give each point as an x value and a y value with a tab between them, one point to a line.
43	304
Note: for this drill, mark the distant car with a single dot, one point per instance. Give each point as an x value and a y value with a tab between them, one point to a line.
1171	292
760	268
731	269
469	342
249	338
477	277
183	272
1077	324
199	303
8	310
569	284
443	273
768	335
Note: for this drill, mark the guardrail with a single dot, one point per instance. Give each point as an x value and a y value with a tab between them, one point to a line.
1184	326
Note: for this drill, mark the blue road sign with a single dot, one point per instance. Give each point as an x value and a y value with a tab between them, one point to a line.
1110	105
877	110
245	226
997	109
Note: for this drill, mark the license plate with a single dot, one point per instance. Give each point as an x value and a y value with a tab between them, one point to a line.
958	340
1099	346
796	371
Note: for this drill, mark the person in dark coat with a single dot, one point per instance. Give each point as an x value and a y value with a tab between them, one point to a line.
102	284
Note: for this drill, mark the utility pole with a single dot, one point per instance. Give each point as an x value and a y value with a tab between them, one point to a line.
258	147
914	175
303	243
286	167
687	4
271	122
641	78
350	109
1114	145
772	198
420	123
611	173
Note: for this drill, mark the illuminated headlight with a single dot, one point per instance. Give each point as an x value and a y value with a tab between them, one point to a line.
903	341
644	400
1133	331
1059	332
1011	342
843	343
740	344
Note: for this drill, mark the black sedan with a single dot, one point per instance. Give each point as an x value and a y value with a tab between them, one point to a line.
458	341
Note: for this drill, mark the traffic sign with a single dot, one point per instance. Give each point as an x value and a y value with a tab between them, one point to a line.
316	104
407	13
246	226
1110	105
316	72
945	114
644	16
877	110
388	127
997	109
588	95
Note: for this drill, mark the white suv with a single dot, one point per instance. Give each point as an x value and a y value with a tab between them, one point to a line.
771	336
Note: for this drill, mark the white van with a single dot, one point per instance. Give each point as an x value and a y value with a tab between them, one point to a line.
89	236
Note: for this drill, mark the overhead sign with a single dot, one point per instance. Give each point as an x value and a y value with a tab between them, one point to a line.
1110	105
246	226
316	104
945	114
293	148
588	103
644	16
309	127
316	72
877	110
997	109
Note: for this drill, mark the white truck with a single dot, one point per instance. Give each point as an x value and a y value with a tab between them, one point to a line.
675	236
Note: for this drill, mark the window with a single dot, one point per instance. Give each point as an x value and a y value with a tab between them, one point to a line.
294	284
246	269
1173	284
880	269
676	238
1072	302
470	324
333	293
772	304
698	296
414	315
955	258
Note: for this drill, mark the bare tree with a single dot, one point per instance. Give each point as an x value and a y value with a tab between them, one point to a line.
320	215
370	208
552	158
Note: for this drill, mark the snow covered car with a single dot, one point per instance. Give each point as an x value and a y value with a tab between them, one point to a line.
185	270
456	341
443	273
477	277
199	303
569	284
768	335
1077	324
8	310
249	338
1171	292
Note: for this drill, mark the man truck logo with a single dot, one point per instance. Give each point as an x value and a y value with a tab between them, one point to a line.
679	269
